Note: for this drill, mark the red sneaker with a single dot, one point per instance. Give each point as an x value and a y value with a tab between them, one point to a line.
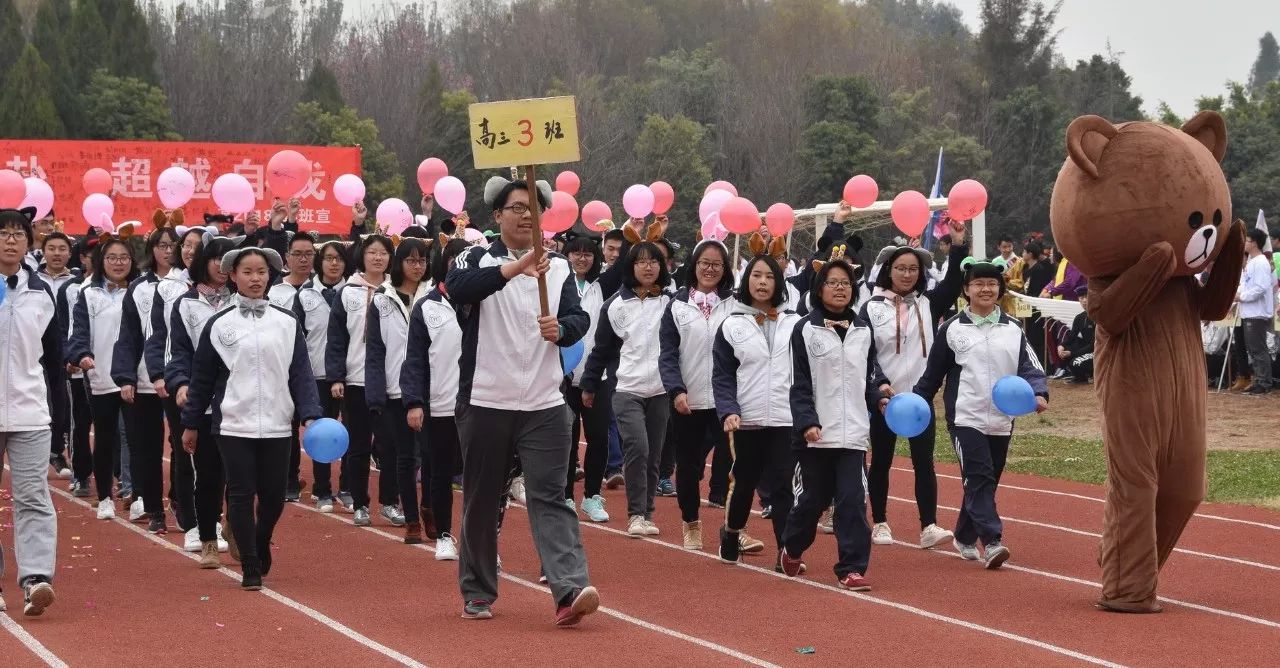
855	582
792	566
586	602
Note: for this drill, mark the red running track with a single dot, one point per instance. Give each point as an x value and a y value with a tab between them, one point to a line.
346	595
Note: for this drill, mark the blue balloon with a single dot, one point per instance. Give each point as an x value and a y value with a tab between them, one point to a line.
1013	396
4	290
908	414
325	440
570	357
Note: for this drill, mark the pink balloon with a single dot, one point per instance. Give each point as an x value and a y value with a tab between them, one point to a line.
451	194
568	182
430	171
861	191
12	189
967	199
473	235
348	189
593	212
393	216
637	201
96	207
562	214
664	197
740	216
910	212
233	194
175	186
96	180
780	218
721	185
288	173
39	195
711	203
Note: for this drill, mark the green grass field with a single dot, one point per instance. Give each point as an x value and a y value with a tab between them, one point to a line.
1235	476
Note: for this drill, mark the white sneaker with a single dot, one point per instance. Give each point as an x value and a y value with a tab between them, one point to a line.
106	509
136	510
933	535
517	490
325	505
651	529
393	514
447	549
881	535
636	527
499	562
593	508
191	541
825	522
222	544
967	552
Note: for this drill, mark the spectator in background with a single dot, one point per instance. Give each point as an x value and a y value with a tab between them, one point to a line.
611	247
1036	275
1275	257
1077	351
1013	278
1256	297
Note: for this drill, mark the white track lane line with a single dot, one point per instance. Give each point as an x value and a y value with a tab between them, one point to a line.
706	644
50	659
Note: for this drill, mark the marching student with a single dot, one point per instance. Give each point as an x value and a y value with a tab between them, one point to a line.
386	341
143	408
95	326
345	369
627	345
299	256
688	330
751	378
904	317
974	349
429	388
312	307
81	416
586	261
208	296
837	382
55	274
31	380
247	352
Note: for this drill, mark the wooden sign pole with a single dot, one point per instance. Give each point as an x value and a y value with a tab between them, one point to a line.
535	209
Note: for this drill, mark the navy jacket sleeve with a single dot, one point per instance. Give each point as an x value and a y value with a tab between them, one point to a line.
375	359
302	383
605	353
177	372
669	354
1030	370
470	283
574	321
153	349
128	348
724	377
276	240
941	360
62	312
610	279
415	374
804	409
943	296
295	307
54	368
875	376
206	367
335	350
80	344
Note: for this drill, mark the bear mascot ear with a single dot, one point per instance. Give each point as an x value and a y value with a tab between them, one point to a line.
1209	129
1087	136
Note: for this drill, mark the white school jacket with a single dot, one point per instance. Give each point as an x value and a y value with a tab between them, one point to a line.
67	298
687	338
312	308
386	341
836	382
283	294
95	326
431	361
592	300
750	377
168	291
627	341
30	354
345	349
141	295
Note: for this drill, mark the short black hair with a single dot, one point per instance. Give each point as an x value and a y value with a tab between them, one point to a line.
500	202
985	269
585	244
820	279
199	232
1258	237
945	239
442	257
627	263
19	218
153	240
210	249
300	237
726	274
57	235
884	279
615	234
415	232
340	249
779	282
1006	239
403	251
364	246
100	254
1035	248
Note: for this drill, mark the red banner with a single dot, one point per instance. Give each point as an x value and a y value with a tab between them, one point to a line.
135	165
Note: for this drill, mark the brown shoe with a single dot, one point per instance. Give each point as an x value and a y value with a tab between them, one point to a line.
209	555
412	533
230	537
429	523
1241	384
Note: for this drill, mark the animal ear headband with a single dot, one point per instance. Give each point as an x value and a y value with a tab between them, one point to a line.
972	266
775	249
495	185
108	231
925	257
174	219
273	259
655	233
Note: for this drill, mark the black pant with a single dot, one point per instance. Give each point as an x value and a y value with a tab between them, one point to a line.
442	451
295	454
667	464
698	434
210	482
883	441
144	425
1081	367
182	474
355	413
255	467
827	475
761	455
1036	337
1240	354
81	422
60	422
595	426
982	459
106	440
1255	344
411	454
321	488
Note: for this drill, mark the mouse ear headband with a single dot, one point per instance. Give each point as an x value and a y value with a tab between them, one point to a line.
974	268
273	259
925	257
494	186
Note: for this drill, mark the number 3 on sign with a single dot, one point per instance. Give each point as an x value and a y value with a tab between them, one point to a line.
502	132
525	131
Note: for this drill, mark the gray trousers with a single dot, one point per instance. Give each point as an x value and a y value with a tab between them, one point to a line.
490	439
1255	342
35	523
642	424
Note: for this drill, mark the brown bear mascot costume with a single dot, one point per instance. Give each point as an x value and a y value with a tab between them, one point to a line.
1140	209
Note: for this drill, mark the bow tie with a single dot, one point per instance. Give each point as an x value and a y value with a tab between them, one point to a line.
772	314
831	324
653	291
12	281
256	308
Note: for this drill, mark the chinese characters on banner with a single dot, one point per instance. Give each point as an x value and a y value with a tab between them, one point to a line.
134	166
524	132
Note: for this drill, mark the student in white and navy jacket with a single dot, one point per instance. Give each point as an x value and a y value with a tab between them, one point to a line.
429	390
751	378
55	273
81	416
300	255
688	330
31	379
627	344
904	316
386	341
974	350
837	383
143	409
586	260
208	296
312	307
95	326
344	364
251	368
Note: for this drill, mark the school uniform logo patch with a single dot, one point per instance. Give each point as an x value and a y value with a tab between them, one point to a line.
819	345
435	318
93	306
171	290
310	300
685	315
737	332
961	342
193	319
880	313
144	303
622	316
229	336
353	300
385	308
